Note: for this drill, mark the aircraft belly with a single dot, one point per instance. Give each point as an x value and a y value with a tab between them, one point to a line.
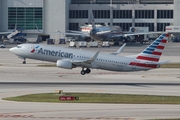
112	67
97	37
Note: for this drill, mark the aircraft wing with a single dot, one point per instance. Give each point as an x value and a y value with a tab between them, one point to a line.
2	33
85	62
103	32
137	33
143	33
75	33
72	32
119	50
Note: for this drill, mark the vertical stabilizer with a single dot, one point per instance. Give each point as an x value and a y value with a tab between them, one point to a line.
92	20
154	51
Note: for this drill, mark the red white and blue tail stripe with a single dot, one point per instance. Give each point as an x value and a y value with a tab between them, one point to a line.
154	51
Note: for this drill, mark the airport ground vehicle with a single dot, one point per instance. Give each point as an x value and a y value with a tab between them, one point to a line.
62	41
2	46
105	44
176	39
82	44
93	44
20	40
72	43
50	41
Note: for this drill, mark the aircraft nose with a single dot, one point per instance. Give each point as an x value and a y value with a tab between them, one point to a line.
12	50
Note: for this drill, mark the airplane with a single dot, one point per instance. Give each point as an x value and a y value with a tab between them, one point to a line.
69	58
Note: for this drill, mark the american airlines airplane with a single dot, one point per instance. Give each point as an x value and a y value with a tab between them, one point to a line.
69	58
104	33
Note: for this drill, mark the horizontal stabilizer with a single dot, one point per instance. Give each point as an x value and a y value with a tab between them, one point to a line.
159	63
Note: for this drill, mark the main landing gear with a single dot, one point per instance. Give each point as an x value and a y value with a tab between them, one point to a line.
24	62
87	71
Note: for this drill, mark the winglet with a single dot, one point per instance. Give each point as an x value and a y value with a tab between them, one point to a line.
119	50
94	57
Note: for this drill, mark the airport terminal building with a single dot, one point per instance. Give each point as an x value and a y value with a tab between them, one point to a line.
53	15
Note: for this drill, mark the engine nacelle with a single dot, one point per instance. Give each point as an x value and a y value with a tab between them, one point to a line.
128	38
64	64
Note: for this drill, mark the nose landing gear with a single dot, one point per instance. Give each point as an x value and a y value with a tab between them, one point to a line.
24	62
87	71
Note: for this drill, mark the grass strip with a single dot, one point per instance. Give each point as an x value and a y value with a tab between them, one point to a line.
99	98
168	65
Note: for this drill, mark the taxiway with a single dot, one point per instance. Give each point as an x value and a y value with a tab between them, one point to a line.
18	79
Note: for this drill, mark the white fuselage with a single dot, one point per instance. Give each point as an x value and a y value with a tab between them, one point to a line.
54	53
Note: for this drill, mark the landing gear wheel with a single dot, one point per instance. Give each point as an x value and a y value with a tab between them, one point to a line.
88	70
24	62
83	72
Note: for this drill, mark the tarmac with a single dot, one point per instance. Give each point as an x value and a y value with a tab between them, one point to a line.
19	79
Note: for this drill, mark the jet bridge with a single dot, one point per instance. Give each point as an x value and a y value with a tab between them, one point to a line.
12	34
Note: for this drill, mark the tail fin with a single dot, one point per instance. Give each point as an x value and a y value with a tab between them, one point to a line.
154	51
92	20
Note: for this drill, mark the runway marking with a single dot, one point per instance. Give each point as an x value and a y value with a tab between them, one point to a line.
77	118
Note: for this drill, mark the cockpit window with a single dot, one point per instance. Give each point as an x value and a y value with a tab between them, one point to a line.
18	46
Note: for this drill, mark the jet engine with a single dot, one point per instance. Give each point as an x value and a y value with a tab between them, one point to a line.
64	64
128	38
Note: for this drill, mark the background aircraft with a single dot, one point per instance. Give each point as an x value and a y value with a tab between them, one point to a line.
69	58
105	33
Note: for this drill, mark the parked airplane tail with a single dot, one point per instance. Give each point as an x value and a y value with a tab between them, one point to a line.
154	51
92	20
